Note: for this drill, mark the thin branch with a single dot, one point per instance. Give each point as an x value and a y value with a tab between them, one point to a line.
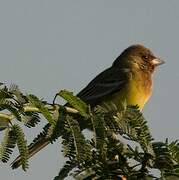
7	116
28	108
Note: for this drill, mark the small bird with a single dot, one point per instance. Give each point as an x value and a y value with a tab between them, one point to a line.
129	79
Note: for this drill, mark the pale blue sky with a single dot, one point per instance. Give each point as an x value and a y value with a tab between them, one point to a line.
48	45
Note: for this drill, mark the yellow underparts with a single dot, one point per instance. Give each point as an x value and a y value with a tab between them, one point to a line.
136	92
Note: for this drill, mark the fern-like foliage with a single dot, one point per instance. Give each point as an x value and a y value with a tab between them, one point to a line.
5	93
36	102
75	102
14	105
133	126
167	158
69	166
121	145
22	145
111	158
52	132
7	145
174	149
56	131
43	134
31	119
74	141
10	95
100	131
10	106
75	147
17	94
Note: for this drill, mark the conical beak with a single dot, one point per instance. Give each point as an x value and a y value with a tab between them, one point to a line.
157	62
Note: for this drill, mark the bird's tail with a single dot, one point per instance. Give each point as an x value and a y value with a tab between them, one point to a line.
33	149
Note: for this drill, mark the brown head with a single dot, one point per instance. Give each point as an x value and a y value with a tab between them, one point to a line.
138	57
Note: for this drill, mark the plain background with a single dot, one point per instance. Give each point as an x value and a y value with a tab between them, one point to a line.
48	45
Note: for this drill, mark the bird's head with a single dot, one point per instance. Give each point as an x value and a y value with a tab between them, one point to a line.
138	57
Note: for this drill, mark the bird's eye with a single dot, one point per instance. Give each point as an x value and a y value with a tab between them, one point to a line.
145	57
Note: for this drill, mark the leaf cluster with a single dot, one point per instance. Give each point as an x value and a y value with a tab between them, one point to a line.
121	145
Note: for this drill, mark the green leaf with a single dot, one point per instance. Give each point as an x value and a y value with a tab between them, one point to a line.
41	136
31	119
4	93
69	165
44	110
174	149
132	123
82	150
75	102
8	105
20	97
22	145
4	123
8	143
98	122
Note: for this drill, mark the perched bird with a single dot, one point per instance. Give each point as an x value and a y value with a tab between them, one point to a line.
129	79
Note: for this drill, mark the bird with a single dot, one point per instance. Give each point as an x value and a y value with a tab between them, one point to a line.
129	79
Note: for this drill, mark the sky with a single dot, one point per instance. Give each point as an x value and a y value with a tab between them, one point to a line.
46	46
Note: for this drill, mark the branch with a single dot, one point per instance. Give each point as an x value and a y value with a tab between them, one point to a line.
28	108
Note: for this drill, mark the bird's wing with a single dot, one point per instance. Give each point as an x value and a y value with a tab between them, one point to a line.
105	84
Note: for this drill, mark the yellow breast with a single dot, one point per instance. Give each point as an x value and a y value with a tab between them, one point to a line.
136	92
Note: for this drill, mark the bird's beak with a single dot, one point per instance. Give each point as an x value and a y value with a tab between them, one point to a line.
157	62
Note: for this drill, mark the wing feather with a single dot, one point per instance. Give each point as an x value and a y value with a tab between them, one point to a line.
103	85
